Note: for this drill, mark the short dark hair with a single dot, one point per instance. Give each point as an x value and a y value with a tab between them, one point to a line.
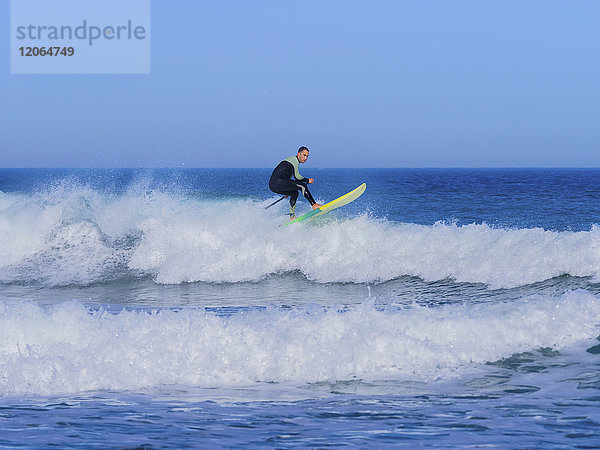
301	149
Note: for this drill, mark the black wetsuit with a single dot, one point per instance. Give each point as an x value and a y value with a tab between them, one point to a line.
284	181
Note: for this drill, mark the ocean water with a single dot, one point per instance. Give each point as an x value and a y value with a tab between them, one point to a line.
168	308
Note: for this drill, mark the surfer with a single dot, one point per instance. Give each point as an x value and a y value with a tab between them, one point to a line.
286	180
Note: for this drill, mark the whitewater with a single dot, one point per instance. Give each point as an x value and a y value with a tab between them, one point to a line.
456	303
70	348
177	239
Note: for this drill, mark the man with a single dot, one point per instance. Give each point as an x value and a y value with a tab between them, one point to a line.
286	180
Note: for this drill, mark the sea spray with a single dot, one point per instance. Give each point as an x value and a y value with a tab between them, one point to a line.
80	236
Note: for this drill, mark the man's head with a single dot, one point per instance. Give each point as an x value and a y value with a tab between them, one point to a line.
302	154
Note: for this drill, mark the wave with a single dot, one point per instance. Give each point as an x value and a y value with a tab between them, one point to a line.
82	236
69	348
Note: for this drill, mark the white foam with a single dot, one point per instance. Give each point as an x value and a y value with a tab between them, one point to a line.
78	235
69	348
24	226
221	249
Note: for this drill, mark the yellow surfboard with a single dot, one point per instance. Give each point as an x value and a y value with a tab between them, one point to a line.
334	204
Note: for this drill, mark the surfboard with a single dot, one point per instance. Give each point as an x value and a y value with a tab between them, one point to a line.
334	204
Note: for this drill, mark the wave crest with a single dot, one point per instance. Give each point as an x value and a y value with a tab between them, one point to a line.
362	250
81	236
69	348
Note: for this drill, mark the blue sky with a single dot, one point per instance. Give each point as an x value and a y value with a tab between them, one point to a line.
362	84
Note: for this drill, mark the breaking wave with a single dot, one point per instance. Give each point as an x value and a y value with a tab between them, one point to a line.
81	236
69	347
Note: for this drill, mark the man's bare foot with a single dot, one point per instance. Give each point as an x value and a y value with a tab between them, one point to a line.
316	206
292	217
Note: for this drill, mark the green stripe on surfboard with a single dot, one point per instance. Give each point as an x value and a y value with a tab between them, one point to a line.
334	204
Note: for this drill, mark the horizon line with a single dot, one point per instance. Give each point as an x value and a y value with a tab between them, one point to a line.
311	168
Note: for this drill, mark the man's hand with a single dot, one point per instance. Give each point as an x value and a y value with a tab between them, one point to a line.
311	180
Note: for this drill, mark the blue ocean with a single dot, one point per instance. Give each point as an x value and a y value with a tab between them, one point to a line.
169	308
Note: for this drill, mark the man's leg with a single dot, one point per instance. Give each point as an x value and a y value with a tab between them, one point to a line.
293	197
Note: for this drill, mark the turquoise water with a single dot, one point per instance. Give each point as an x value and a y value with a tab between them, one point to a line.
159	308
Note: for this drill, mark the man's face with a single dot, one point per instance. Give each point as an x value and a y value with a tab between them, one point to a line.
303	156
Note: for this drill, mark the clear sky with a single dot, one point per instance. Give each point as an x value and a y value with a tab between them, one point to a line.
504	83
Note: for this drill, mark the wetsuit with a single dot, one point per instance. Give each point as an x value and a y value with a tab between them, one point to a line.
286	180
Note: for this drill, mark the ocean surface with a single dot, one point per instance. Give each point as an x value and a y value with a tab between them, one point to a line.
169	308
